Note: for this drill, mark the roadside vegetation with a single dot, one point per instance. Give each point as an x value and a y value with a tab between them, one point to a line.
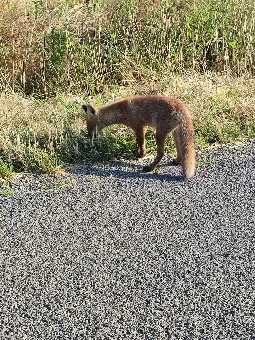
57	55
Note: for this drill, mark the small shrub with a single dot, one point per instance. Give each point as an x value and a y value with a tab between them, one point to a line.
6	170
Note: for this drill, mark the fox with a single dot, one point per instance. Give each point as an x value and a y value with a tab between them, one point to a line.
165	114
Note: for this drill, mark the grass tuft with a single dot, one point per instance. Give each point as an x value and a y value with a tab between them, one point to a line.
6	171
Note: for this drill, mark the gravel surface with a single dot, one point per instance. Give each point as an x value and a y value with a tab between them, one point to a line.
108	252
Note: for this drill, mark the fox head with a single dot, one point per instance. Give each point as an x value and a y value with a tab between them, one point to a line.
93	123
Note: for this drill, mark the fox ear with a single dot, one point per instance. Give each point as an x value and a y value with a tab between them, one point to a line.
89	110
85	108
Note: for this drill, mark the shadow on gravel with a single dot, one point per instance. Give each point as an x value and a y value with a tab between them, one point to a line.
122	170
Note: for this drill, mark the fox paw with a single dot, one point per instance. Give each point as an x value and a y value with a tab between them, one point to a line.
176	161
147	168
141	155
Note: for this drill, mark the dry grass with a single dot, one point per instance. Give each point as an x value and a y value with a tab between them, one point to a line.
79	45
39	135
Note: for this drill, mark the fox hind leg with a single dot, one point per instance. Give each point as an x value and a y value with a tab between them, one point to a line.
176	136
186	154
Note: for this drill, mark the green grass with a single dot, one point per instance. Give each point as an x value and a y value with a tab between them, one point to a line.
69	46
59	183
6	170
43	135
5	189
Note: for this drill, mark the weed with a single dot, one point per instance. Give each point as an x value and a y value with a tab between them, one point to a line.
60	184
5	189
6	170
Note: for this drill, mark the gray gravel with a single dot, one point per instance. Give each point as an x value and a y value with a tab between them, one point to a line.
107	252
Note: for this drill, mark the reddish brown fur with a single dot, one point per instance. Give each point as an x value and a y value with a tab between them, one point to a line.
163	113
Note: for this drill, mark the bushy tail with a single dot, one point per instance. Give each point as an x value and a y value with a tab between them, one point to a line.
188	157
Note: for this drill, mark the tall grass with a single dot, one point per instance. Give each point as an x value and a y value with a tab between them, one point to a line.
57	54
75	46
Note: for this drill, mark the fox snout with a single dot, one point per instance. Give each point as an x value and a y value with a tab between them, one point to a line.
93	131
92	121
92	135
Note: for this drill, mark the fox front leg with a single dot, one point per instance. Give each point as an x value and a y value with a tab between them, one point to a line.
160	139
140	139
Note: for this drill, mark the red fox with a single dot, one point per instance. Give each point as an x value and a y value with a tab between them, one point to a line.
163	113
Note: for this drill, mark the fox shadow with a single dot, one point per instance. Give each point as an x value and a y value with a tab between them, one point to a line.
99	149
122	170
